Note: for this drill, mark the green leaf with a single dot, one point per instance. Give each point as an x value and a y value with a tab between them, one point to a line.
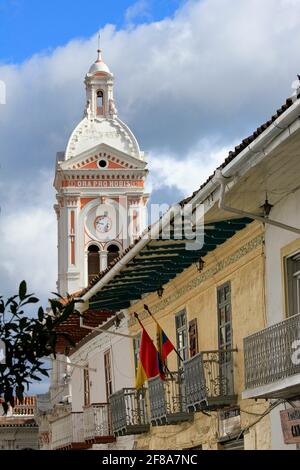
12	327
30	300
20	392
33	300
8	395
5	408
41	314
23	323
22	290
44	372
57	295
10	300
35	377
67	311
13	307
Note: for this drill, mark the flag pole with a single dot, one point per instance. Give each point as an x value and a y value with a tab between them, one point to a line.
153	318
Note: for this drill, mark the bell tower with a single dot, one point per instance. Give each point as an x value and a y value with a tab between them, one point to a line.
99	90
99	180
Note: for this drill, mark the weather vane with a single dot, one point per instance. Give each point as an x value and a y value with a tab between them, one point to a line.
99	41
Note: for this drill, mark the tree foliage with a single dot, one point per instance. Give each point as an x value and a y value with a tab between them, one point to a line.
28	341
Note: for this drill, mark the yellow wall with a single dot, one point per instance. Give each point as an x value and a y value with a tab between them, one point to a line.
240	260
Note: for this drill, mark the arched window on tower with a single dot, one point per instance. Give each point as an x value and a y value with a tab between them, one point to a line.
93	262
100	102
113	253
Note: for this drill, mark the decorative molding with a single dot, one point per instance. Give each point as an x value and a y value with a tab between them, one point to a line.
218	267
72	201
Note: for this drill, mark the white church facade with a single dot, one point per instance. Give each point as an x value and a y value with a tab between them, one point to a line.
100	179
101	210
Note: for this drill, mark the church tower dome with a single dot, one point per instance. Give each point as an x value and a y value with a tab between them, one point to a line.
99	65
101	200
101	121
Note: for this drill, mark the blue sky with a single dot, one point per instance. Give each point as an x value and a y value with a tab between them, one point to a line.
28	27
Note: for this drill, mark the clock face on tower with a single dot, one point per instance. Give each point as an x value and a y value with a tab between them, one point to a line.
103	224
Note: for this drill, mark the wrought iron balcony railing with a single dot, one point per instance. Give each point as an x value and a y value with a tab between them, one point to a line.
129	412
67	432
268	356
97	424
167	399
209	380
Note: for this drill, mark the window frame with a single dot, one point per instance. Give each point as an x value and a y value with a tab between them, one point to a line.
108	375
183	352
287	278
220	306
193	323
86	387
136	345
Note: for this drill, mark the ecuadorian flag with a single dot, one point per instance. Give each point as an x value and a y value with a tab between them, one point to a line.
149	361
164	345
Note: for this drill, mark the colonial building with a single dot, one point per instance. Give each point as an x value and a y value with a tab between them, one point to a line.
218	296
206	301
220	304
272	354
18	429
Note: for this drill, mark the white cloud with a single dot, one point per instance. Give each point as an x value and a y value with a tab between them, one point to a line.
185	174
188	86
28	240
138	10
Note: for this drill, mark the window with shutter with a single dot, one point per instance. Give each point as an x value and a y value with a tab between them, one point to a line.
225	339
136	349
293	284
86	387
108	374
193	338
181	337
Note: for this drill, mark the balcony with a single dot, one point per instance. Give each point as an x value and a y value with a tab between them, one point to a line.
167	400
209	380
272	366
97	426
67	433
129	413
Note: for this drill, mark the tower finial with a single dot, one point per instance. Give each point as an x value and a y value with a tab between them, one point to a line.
99	58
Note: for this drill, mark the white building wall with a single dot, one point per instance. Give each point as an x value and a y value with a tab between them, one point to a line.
77	388
92	355
288	212
19	438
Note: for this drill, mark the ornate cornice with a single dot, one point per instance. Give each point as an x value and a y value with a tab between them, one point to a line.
218	267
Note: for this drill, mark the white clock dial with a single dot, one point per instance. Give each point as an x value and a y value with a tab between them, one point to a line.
103	224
